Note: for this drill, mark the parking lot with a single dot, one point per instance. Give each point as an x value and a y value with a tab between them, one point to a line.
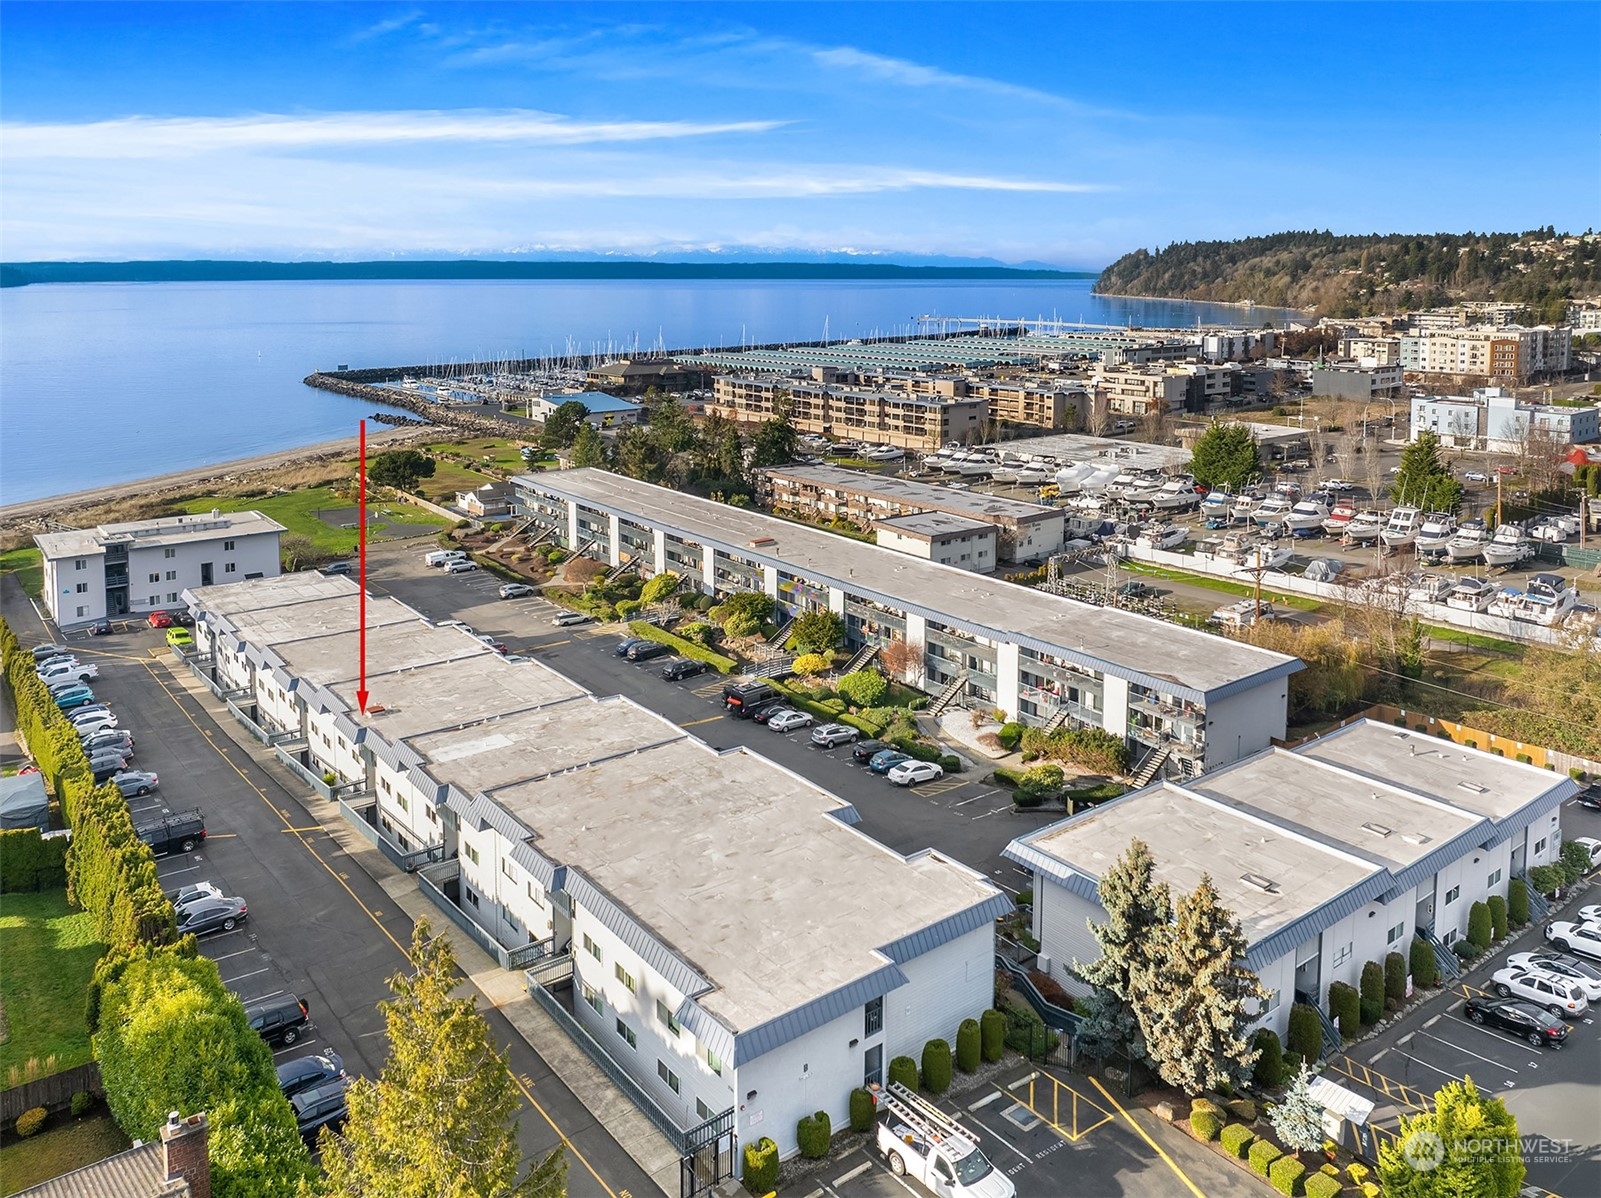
319	926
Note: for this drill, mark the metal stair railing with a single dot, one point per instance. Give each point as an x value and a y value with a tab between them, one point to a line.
1151	766
1333	1042
620	569
1539	908
947	696
860	660
782	634
1450	964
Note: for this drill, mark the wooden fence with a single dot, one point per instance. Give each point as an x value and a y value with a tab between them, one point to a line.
54	1092
1466	734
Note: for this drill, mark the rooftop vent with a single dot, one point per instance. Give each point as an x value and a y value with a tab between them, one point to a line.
1266	885
1377	829
1415	838
1474	787
1401	735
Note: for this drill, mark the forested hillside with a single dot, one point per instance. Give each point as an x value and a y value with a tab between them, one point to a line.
1364	275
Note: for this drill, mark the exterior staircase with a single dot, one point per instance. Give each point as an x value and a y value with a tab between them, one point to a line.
1333	1042
779	637
1059	720
780	666
1450	964
585	547
1539	908
946	697
620	569
514	534
1150	767
860	660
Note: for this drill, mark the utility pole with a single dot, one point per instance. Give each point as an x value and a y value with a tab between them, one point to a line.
1498	497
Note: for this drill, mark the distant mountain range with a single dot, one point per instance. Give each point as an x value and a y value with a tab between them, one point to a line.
695	265
1365	275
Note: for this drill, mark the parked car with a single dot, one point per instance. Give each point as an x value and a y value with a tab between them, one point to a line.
1560	996
1543	960
302	1073
768	710
910	773
80	716
627	643
1589	914
180	638
136	783
180	832
110	738
1475	476
70	659
460	566
789	721
279	1020
515	590
62	685
160	619
646	650
1589	797
321	1105
683	667
46	651
74	696
568	618
1592	846
338	568
184	620
95	722
887	759
1339	486
832	735
212	915
104	769
866	750
72	668
193	892
443	557
1134	589
1522	1019
1581	938
742	698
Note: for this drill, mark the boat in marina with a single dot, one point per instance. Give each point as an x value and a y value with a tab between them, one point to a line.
1545	599
1272	510
1262	556
1471	594
1030	475
1341	515
1162	536
1402	528
1437	529
1364	527
1176	494
1216	505
1508	547
1245	503
1468	543
1426	587
1307	517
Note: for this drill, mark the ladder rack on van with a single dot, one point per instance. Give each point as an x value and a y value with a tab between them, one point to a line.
922	1116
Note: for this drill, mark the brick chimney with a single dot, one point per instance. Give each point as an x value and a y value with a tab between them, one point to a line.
184	1148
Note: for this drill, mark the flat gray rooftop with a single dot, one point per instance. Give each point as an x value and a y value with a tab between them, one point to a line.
1153	652
164	530
935	524
736	863
292	622
260	594
1371	818
450	694
335	657
1110	451
1475	781
1189	836
974	504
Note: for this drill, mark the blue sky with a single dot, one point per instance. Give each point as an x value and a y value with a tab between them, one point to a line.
1060	133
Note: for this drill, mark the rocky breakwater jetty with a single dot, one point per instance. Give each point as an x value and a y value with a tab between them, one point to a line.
434	413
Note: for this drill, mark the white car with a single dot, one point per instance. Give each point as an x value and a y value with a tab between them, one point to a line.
1475	476
788	721
460	566
1590	914
910	773
1338	486
1544	961
1581	938
830	735
1593	847
515	590
96	722
1560	996
69	671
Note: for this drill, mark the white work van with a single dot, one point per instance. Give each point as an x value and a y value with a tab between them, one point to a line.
922	1142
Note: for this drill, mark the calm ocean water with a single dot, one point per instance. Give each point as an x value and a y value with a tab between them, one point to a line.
104	383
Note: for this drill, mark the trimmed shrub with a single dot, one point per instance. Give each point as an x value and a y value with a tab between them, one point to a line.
1010	735
1395	978
627	609
1285	1175
1465	949
1236	1139
1357	1172
813	1133
809	664
1425	969
1207	1105
1242	1109
1041	780
1345	1008
761	1166
1205	1125
1547	879
1292	1063
1321	1185
969	1049
992	1035
1498	917
82	1103
1370	1189
1517	903
29	862
1575	862
1268	1072
863	688
904	1070
950	763
31	1120
1306	1032
682	645
1262	1155
1372	993
936	1066
863	1109
1479	928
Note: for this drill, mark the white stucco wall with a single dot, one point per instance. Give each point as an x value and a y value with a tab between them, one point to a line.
1245	722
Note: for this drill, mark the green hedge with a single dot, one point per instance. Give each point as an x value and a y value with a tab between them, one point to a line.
1394	979
863	1110
1093	748
813	1133
1479	926
1517	902
1345	1008
679	645
904	1070
1425	968
1236	1139
761	1166
969	1046
1268	1072
1498	917
1306	1032
1011	735
936	1066
1205	1125
992	1035
1285	1175
1372	993
1262	1155
1321	1185
29	862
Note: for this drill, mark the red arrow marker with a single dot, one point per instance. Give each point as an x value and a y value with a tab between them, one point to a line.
361	542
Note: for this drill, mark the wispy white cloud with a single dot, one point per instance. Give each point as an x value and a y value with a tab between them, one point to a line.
156	137
817	180
390	25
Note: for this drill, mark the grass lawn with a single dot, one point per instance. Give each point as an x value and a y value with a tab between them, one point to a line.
60	1149
1242	589
1474	640
49	952
297	512
448	478
27	565
507	454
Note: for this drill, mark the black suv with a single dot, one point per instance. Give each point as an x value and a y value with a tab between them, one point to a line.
741	698
179	832
645	650
303	1073
280	1019
684	667
319	1106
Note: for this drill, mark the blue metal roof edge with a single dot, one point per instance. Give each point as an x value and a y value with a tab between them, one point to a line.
1347	902
679	973
1538	806
825	1008
950	928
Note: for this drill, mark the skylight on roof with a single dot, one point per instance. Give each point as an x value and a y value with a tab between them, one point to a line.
1474	787
1267	885
1377	829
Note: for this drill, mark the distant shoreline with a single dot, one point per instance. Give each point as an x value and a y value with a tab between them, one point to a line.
21	274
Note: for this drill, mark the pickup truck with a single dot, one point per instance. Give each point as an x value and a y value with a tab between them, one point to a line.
922	1142
178	832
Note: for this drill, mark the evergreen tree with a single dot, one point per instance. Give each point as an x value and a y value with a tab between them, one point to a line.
1468	1144
441	1120
562	425
1225	456
1297	1119
773	444
1191	993
589	449
1422	480
1137	908
399	468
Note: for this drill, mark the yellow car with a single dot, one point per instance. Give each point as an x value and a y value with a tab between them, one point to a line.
180	638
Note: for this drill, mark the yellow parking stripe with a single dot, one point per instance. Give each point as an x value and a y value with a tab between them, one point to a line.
1374	1080
1179	1173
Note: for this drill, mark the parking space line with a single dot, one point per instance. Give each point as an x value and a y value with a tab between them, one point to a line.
711	719
300	1043
1434	1068
1459	1048
1376	1081
983	794
1024	1089
854	1173
241	977
1157	1148
240	953
172	873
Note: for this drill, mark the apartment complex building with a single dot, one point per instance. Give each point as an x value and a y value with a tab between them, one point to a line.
939	537
709	921
1331	855
1509	352
1026	531
1139	390
882	417
1361	381
1196	699
1375	351
141	566
1494	419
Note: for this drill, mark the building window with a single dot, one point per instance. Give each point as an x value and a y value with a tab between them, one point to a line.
1452	895
156	576
1539	847
627	1033
172	575
626	978
471	896
1342	954
432	818
227	546
80	564
873	1023
83	611
714	1062
1394	935
667	1075
472	853
169	553
81	589
229	568
1494	879
403	804
666	1016
591	947
172	596
702	1111
594	999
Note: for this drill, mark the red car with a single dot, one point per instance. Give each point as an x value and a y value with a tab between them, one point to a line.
160	619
